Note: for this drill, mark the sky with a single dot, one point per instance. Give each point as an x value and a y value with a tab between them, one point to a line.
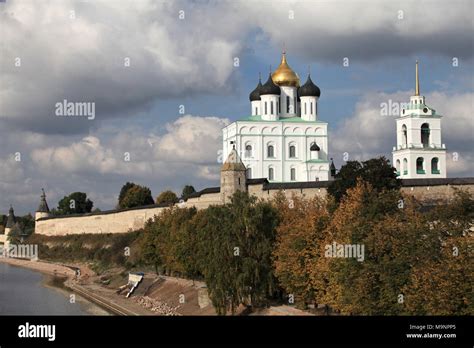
166	76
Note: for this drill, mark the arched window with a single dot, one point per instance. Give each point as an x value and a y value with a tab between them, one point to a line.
295	104
314	151
425	134
248	151
266	108
292	151
270	151
435	166
270	173
271	108
249	173
279	107
405	166
292	174
420	166
397	166
287	104
256	111
404	135
305	107
311	108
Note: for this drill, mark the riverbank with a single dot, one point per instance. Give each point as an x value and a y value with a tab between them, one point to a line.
156	295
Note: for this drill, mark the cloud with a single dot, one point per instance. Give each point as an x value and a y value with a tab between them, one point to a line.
367	133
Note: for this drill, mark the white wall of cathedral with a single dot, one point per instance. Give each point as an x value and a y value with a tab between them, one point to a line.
289	101
270	106
279	151
308	107
420	164
256	106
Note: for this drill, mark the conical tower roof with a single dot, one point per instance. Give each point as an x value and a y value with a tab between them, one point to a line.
233	162
11	219
43	206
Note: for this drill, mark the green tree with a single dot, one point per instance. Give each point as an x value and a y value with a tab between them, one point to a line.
136	196
235	246
123	192
187	190
75	203
167	197
377	171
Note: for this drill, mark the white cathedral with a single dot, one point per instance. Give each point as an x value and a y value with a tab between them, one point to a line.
284	140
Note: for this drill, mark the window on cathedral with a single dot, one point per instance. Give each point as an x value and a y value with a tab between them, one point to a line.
279	106
270	174
292	151
420	166
425	134
295	104
397	166
435	166
288	104
249	173
404	134
305	108
271	108
270	151
292	174
248	151
311	108
405	166
316	108
266	108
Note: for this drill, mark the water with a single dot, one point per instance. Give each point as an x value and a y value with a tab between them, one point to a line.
22	292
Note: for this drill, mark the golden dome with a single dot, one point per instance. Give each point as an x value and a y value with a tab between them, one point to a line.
284	75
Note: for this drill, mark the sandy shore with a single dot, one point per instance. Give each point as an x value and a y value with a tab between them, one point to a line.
41	266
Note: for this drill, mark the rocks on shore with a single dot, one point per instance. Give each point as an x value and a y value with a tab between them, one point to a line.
157	306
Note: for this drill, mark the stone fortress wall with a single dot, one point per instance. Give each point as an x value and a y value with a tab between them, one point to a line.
126	220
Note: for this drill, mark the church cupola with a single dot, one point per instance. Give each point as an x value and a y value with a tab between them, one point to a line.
255	99
289	82
43	209
333	169
11	219
309	94
270	100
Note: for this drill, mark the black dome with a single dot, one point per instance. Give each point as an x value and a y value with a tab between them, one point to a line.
309	89
269	87
255	94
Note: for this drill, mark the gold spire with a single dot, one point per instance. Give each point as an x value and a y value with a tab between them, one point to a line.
284	75
417	85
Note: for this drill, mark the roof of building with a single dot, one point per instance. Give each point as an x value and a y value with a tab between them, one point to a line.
233	162
270	87
11	219
43	206
314	147
255	94
258	118
284	75
309	89
437	182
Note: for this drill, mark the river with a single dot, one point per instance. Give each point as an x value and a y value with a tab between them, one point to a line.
25	292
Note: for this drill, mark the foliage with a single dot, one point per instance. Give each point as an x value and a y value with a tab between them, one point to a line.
75	203
167	197
377	172
135	196
187	190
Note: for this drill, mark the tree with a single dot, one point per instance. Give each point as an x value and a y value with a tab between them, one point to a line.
300	232
235	245
377	172
187	190
75	203
167	197
136	196
123	192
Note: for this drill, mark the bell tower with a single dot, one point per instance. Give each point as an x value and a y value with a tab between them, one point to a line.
419	153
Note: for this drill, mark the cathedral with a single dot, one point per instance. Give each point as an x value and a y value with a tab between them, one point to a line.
283	140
